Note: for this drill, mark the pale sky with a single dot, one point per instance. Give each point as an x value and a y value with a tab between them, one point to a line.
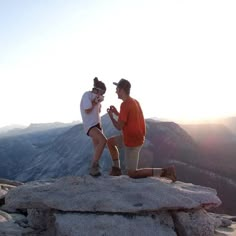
180	57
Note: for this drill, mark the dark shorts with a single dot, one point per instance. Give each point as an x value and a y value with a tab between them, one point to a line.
98	125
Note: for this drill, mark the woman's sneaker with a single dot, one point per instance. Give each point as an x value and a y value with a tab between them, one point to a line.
94	170
115	171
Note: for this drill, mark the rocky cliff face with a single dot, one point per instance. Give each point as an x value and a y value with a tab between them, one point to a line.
72	206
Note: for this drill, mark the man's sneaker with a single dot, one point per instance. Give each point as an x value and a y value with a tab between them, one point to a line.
115	171
169	173
94	170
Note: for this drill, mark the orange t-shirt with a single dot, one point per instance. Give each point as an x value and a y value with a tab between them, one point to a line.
134	129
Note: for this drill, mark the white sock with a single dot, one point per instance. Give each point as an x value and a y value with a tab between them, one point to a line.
116	163
157	172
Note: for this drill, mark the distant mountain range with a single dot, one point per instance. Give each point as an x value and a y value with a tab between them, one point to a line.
203	154
13	130
5	129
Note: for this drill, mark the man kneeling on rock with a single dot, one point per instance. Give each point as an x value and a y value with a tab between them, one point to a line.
132	124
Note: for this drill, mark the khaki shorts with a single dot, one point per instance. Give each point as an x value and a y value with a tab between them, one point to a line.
131	154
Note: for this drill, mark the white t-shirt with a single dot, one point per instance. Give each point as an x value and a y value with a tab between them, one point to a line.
92	118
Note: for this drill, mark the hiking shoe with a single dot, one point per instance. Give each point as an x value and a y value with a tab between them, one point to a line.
169	173
115	171
94	170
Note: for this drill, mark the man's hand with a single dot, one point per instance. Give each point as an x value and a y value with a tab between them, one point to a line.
114	110
110	113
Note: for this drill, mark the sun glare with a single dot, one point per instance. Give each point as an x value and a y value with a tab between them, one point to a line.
178	56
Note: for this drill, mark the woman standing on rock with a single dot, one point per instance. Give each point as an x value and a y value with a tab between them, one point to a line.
90	108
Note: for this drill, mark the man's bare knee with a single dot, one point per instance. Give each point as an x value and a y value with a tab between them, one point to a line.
111	141
104	140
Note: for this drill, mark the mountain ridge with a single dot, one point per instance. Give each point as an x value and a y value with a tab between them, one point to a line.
57	152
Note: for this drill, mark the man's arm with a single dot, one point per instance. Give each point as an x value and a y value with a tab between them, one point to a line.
117	123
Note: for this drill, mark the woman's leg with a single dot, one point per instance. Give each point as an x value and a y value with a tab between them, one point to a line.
99	142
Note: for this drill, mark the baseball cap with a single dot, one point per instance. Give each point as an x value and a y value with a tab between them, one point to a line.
123	83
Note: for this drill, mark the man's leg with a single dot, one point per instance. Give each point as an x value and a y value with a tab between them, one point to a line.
168	172
131	163
113	143
132	159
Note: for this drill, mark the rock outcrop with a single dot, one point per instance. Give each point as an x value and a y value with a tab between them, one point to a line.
72	206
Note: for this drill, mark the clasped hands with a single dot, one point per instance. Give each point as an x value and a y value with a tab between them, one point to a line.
98	99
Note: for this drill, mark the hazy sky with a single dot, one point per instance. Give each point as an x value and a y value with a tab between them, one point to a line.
180	57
